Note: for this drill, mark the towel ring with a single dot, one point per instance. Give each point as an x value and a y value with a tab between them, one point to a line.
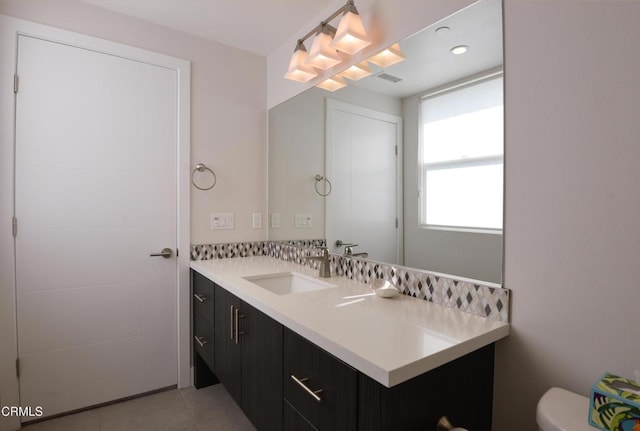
200	167
320	178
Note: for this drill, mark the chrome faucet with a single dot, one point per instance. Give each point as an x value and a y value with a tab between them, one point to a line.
348	249
325	265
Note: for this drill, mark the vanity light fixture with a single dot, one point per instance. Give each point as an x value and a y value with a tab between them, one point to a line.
298	70
321	55
349	38
460	49
357	71
389	56
332	84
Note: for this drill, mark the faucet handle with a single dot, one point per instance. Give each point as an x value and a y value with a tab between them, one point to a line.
340	243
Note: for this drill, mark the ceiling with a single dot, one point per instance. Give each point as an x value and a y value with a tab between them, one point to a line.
431	64
262	26
257	26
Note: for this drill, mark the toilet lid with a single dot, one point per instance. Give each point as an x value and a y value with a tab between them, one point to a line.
561	410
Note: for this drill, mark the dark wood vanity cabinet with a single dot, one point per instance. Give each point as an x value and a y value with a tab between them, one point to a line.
261	369
282	381
461	389
319	389
228	351
248	359
203	337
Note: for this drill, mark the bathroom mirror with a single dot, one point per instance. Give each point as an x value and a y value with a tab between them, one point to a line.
348	165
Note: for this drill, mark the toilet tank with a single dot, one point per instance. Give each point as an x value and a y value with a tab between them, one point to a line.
562	410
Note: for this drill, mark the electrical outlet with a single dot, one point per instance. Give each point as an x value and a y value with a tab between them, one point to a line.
222	221
304	221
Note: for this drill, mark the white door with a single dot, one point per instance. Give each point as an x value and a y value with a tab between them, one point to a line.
95	196
363	165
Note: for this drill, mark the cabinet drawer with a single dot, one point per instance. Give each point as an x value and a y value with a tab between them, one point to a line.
203	339
203	296
319	386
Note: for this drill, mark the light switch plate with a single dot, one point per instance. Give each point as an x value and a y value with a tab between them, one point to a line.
275	220
304	221
222	221
257	221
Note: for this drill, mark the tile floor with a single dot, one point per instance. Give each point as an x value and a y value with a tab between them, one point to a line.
208	409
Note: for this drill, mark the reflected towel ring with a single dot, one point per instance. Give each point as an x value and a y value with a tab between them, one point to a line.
200	167
320	178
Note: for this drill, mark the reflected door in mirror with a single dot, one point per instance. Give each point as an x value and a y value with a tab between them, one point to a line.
363	163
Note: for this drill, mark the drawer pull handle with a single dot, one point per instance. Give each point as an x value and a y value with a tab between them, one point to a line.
200	298
201	341
237	316
311	392
231	321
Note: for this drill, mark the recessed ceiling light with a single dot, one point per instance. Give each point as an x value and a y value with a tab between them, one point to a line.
442	30
460	49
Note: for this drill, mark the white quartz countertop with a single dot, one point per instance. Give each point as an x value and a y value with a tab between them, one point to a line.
390	340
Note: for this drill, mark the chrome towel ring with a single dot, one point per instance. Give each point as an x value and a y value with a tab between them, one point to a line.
200	167
319	179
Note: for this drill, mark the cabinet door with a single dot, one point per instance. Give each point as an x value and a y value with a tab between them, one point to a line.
334	383
461	389
227	352
261	339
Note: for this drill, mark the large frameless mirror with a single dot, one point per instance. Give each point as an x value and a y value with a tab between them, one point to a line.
407	163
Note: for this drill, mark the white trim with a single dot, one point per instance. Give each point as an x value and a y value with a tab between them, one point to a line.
462	229
464	82
10	28
335	105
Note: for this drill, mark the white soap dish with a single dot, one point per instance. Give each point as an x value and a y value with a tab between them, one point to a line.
384	288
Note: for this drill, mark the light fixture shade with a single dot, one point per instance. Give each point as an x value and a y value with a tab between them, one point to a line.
298	70
357	71
350	36
321	55
389	56
332	84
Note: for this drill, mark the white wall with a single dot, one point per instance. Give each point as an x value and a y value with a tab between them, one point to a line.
572	201
572	254
228	100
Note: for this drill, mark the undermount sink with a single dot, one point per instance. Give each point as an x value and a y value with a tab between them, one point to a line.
286	283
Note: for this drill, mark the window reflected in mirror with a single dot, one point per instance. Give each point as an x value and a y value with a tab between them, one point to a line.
461	163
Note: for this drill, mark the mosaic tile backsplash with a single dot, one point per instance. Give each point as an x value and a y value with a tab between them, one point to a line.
469	296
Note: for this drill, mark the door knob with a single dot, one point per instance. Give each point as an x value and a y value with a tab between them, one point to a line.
166	253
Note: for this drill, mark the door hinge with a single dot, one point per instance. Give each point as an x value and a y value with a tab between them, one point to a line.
17	367
16	82
177	252
397	223
14	226
396	150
